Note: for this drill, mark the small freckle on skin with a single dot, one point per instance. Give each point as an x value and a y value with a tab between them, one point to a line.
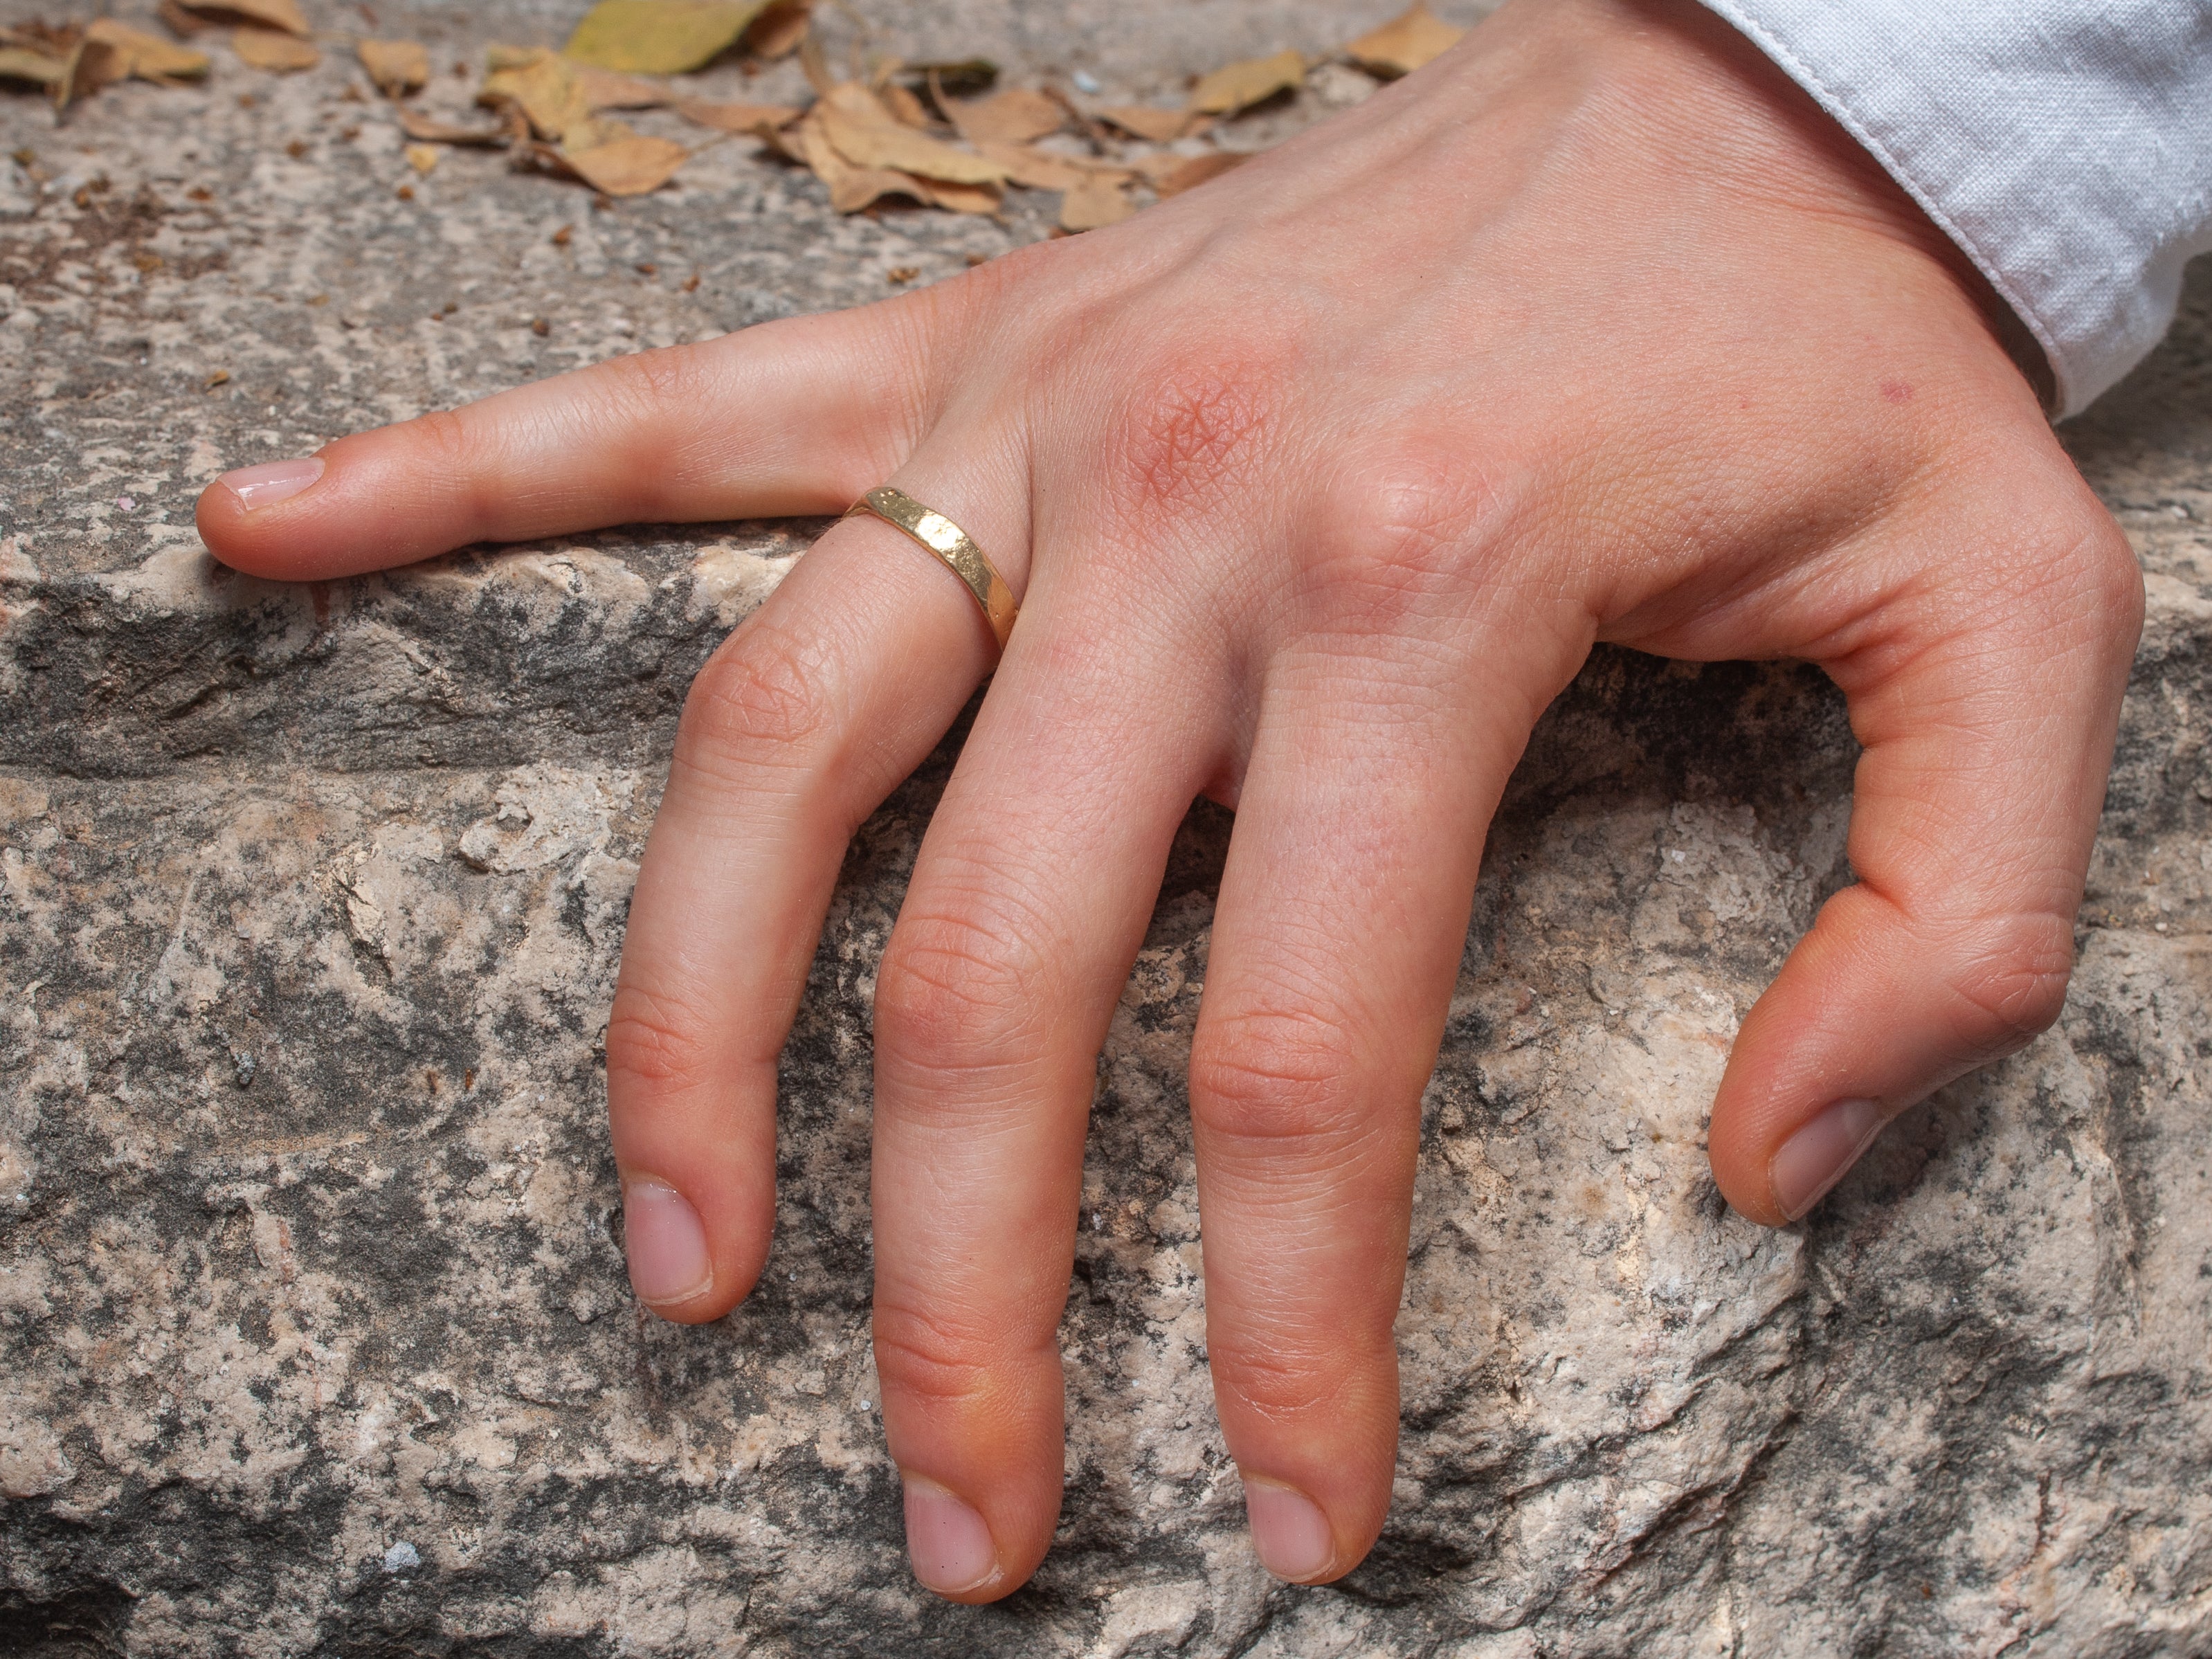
1898	392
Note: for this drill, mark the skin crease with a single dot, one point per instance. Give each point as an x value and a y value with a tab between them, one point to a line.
1318	482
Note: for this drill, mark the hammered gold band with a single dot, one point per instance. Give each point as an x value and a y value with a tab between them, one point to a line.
951	543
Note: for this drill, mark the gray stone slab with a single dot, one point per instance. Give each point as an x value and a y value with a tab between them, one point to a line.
314	1334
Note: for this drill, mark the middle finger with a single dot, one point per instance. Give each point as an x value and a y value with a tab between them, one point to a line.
1026	908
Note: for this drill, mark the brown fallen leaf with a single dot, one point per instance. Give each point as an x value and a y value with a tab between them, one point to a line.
91	65
1404	43
1013	117
981	199
1188	172
814	65
182	21
277	52
867	135
608	89
398	67
761	120
1160	126
108	52
543	85
1041	170
430	130
616	162
16	64
906	107
1239	86
281	15
851	188
149	57
963	77
778	30
660	37
47	40
1096	203
423	158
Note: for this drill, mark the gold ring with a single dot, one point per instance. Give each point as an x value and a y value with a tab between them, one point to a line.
951	543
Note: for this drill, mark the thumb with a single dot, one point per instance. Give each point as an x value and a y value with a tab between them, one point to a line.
1985	689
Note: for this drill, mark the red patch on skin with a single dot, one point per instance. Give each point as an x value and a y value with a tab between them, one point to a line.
1187	444
1897	391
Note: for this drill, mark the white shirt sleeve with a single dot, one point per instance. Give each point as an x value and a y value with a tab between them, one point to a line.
2066	145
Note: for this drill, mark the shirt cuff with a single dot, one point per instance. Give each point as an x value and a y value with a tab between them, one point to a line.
2064	145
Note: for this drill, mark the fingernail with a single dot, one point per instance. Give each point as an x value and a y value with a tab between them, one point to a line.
946	1541
668	1246
1289	1531
257	487
1815	1157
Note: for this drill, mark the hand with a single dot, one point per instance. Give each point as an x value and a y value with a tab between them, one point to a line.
1318	483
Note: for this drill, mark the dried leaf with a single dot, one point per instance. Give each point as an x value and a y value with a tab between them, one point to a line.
93	64
55	40
905	108
968	77
1096	203
430	130
1188	172
40	71
761	120
851	188
1041	170
179	20
398	67
960	198
278	53
281	14
660	37
607	89
615	161
1239	86
1160	126
108	52
544	87
867	135
1014	117
814	66
1404	43
149	57
778	30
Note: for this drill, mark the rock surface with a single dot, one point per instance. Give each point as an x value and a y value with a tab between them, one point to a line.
314	1333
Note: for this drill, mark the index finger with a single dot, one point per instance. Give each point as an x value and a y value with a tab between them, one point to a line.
793	416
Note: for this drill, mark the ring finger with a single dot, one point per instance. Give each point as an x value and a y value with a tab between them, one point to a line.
808	715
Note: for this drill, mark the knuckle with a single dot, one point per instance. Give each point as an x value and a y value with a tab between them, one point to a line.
760	701
1400	523
1280	1383
2011	984
2073	567
1190	432
1282	1079
451	444
656	382
657	1042
2112	575
957	990
932	1353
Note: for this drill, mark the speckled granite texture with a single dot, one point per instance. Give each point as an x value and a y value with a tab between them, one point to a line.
314	1334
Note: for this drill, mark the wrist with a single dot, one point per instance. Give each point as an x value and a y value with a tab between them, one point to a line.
1696	96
